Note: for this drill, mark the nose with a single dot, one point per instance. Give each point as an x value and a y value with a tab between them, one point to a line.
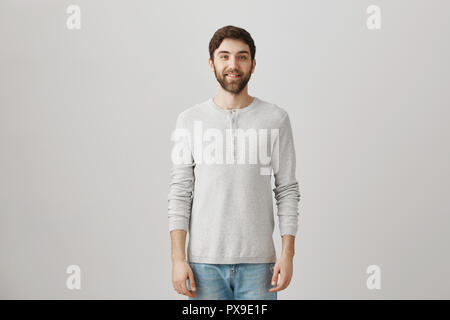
232	63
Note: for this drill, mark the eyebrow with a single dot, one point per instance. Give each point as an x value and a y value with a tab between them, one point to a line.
242	51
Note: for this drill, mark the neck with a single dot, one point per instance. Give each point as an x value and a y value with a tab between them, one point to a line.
227	100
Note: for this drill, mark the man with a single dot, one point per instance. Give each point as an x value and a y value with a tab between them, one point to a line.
224	199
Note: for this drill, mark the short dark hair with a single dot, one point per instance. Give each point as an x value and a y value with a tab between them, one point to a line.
231	32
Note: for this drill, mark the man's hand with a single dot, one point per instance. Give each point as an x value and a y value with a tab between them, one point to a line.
181	271
284	267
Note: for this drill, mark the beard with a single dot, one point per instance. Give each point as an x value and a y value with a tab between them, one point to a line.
234	86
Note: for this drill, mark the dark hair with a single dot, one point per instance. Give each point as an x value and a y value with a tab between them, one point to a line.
233	33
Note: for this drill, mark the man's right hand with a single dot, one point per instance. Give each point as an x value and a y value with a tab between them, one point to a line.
181	271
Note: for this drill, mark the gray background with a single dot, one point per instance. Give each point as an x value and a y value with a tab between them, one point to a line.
86	117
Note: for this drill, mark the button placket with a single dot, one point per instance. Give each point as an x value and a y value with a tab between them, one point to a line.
233	130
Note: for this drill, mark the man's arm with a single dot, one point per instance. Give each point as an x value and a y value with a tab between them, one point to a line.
181	189
178	245
286	189
181	271
287	197
288	243
181	193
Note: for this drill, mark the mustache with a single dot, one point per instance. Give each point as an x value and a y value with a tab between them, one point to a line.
232	72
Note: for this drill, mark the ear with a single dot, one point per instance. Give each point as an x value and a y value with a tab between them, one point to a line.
253	65
211	64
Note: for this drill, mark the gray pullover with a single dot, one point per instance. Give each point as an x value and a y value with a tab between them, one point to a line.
221	182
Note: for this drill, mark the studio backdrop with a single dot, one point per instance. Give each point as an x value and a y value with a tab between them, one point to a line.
89	95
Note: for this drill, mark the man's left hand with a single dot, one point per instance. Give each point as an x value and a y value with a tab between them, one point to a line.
284	267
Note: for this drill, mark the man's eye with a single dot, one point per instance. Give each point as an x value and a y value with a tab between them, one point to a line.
223	56
243	57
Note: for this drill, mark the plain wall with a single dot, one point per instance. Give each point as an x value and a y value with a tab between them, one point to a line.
86	117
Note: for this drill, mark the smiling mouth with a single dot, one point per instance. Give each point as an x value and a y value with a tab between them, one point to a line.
232	76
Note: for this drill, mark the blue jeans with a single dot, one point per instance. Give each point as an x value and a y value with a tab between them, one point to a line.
243	281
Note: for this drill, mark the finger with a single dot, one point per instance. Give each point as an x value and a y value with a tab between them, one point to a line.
279	287
191	291
179	287
275	276
184	290
275	289
192	281
192	286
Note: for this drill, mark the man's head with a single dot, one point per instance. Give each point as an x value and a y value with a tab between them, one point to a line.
232	58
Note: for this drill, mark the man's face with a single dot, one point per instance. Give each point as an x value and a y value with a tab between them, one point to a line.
232	65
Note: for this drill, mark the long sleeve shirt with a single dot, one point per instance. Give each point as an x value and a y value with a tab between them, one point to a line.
225	166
